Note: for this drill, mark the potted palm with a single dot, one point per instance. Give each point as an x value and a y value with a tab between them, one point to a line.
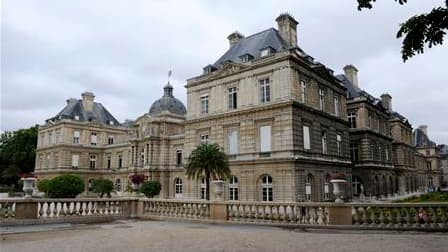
210	161
338	180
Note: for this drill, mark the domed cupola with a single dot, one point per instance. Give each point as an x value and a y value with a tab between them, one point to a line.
168	103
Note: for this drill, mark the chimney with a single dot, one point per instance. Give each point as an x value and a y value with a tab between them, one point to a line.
424	128
234	38
351	73
87	101
287	26
386	100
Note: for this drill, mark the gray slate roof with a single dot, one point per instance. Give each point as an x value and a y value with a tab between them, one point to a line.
354	92
443	150
167	103
253	45
74	108
421	139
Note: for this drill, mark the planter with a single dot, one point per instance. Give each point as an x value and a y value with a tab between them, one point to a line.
135	187
28	186
219	189
338	189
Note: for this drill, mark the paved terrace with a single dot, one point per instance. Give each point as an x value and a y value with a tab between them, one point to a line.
161	236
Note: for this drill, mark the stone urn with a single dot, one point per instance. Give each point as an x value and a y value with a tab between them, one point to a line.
28	186
338	189
219	189
135	186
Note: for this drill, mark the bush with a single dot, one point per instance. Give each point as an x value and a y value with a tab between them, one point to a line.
43	185
102	186
151	188
65	186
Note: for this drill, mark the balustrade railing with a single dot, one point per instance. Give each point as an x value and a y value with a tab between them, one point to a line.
7	209
55	208
288	213
401	215
176	208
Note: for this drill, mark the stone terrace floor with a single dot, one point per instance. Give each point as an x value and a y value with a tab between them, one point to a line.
180	236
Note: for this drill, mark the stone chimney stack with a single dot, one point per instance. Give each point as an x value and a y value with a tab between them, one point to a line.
386	100
287	26
351	73
234	38
424	128
87	101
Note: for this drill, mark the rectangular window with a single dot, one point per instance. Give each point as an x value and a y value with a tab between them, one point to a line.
109	160
232	139
351	116
265	138
76	136
110	140
232	98
354	153
336	105
339	144
264	52
324	142
204	104
93	138
321	99
178	157
303	88
92	162
204	139
386	152
75	161
306	138
265	91
120	161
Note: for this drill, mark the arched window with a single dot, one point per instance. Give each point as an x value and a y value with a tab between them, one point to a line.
308	187
118	185
178	188
327	187
266	188
233	188
203	188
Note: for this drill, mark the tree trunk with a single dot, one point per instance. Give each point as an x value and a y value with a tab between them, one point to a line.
207	182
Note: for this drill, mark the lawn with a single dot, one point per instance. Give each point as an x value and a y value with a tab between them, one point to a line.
429	197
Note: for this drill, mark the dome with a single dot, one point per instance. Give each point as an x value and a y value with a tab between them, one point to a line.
167	103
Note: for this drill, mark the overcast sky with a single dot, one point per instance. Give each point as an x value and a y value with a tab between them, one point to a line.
122	51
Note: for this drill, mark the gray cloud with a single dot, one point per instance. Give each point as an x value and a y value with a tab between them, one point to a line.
122	50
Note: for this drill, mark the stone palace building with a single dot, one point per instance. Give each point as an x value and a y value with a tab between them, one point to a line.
285	120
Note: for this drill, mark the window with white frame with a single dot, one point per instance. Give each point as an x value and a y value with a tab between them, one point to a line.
90	185
75	160
120	161
267	188
265	138
77	117
351	116
306	138
324	142
178	187
354	152
321	99
203	188
265	90
327	187
204	139
232	139
339	144
110	140
386	152
109	161
265	52
303	88
118	185
233	188
232	98
336	105
92	164
178	157
204	104
309	187
93	138
76	136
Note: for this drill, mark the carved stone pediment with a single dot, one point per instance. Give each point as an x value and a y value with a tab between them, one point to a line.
229	68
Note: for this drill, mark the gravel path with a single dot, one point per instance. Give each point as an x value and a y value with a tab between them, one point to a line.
177	236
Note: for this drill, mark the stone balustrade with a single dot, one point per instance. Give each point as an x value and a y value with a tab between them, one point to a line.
176	208
55	208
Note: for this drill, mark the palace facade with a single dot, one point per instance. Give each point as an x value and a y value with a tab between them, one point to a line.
284	119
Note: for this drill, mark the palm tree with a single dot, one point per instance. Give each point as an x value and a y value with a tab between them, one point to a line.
208	160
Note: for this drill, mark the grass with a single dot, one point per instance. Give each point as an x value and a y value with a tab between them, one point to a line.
429	197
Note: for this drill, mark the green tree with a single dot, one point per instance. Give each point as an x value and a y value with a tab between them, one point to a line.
102	186
65	186
420	30
151	188
208	160
43	185
17	154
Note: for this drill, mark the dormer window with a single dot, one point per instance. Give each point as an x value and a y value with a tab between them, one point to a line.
77	117
209	69
111	122
246	57
267	51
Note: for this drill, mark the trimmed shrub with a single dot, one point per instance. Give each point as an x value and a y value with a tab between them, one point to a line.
43	185
65	186
151	188
102	186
